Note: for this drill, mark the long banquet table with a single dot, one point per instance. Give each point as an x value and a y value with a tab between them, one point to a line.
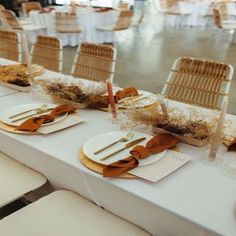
196	200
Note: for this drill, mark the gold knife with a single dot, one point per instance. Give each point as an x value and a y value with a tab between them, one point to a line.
36	113
128	145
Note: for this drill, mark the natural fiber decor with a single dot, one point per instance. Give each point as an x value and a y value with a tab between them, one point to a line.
199	82
94	62
29	6
47	51
10	45
98	168
9	20
67	22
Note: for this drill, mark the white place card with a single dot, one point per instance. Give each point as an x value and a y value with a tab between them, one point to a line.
158	170
70	120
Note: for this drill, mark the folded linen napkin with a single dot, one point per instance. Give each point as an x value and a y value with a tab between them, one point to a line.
126	92
34	123
157	144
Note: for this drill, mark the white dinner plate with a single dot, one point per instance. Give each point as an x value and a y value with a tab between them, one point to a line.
6	114
147	100
102	140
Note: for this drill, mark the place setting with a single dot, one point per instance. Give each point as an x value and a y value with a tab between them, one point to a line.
125	154
39	118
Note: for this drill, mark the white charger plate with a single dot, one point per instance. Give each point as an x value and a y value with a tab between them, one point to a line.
149	99
102	140
4	115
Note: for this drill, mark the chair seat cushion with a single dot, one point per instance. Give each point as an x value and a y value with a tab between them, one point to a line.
16	180
65	213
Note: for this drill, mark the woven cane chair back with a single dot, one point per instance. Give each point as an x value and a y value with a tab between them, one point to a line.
10	45
94	62
124	20
29	6
47	51
9	20
199	82
67	22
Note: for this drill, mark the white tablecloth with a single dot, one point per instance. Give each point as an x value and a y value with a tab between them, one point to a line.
88	20
195	200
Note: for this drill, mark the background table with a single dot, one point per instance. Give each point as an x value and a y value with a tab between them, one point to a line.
196	200
88	19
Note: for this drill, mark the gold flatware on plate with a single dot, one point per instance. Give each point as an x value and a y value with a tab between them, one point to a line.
128	145
36	113
129	99
123	139
129	102
43	107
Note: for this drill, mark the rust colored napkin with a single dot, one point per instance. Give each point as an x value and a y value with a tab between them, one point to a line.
34	123
155	145
126	92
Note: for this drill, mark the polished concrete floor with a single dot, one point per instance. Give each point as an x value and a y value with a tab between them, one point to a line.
146	53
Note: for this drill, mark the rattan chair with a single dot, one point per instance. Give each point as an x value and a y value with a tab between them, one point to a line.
29	6
123	22
10	21
67	22
94	62
16	180
47	51
199	82
10	45
123	6
222	21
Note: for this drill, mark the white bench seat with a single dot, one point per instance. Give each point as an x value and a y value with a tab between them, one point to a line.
64	213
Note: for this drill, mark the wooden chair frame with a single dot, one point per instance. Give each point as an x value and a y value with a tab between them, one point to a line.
29	6
51	44
67	22
11	37
199	82
94	61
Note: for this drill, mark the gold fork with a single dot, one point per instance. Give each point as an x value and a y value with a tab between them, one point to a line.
43	107
123	139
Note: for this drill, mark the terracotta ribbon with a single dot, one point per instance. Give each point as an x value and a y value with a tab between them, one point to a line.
126	92
155	145
34	123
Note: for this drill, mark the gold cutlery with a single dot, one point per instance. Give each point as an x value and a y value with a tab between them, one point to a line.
43	107
123	139
36	113
128	103
128	145
127	99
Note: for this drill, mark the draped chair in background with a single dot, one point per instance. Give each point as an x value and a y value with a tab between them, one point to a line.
10	21
123	22
29	6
